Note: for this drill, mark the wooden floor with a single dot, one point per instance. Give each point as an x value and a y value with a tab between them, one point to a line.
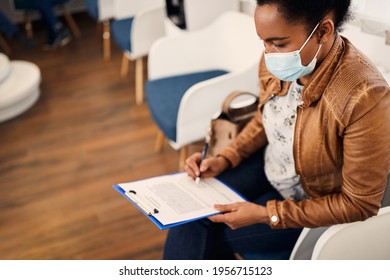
60	159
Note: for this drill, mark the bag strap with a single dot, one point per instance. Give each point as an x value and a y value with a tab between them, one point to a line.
235	114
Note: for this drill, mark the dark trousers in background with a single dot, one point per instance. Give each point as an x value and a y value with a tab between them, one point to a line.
7	27
46	9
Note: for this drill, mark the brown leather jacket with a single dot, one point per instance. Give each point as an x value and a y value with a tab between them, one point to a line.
342	140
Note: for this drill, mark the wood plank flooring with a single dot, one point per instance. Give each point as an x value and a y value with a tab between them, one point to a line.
60	159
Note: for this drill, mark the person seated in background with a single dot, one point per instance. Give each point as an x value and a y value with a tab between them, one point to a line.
57	34
12	31
317	152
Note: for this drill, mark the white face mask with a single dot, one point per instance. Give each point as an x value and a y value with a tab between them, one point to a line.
288	66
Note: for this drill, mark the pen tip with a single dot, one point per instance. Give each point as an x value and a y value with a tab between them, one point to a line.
197	180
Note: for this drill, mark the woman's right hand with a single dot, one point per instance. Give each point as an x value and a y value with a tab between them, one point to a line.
209	167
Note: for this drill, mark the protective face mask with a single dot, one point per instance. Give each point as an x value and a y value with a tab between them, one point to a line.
288	66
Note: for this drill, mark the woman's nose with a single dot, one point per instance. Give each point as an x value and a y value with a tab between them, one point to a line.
269	48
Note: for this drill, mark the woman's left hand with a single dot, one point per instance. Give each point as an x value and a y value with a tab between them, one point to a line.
240	214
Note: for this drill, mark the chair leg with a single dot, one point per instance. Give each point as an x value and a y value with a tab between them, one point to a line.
125	66
160	141
139	81
72	24
5	46
106	40
182	157
28	25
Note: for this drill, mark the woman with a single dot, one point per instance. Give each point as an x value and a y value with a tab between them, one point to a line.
317	152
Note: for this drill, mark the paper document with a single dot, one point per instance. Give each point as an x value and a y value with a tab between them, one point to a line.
173	199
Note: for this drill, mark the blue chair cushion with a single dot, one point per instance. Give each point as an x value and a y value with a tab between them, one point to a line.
120	30
92	8
164	96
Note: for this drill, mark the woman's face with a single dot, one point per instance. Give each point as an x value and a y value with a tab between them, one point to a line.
280	36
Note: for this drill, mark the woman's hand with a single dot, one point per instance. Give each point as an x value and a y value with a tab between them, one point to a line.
240	214
209	167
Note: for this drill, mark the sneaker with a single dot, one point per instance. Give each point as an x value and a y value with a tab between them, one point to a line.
61	39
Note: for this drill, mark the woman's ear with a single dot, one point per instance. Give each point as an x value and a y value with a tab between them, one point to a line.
325	31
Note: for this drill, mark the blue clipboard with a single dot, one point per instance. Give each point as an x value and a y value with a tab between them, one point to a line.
155	220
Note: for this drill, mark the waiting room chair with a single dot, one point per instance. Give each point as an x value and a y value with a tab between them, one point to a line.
248	6
28	7
367	240
372	45
200	13
189	76
102	11
137	24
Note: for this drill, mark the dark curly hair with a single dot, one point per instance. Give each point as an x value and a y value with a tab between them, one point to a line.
310	12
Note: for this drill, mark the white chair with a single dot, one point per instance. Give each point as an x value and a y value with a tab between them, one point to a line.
372	15
206	65
248	6
372	45
19	87
368	238
136	26
102	11
200	13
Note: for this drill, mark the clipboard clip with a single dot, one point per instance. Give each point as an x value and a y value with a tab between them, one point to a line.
131	195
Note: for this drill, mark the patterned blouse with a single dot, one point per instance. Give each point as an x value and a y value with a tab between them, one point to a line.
279	118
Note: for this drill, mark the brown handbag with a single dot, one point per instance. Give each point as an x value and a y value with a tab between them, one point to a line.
234	116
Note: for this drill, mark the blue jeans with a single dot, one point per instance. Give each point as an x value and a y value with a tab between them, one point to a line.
7	27
207	240
46	8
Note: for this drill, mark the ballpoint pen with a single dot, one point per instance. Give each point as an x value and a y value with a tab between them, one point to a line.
204	154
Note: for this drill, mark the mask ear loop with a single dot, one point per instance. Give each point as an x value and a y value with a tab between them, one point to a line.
320	42
308	38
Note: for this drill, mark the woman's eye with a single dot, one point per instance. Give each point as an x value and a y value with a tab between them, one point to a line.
280	45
